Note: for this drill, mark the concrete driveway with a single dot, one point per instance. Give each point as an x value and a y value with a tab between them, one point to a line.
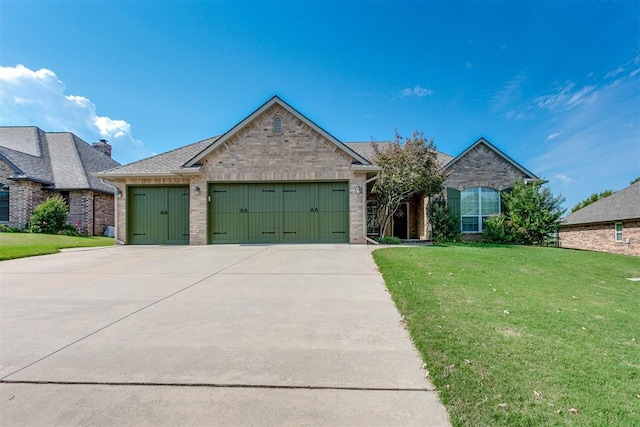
207	335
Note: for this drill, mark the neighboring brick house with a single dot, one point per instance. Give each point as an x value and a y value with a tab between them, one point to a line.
473	190
35	165
611	224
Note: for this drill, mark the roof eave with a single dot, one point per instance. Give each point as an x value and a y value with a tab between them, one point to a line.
187	171
110	176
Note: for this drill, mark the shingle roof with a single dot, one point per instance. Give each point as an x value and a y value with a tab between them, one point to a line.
60	160
161	164
622	205
365	149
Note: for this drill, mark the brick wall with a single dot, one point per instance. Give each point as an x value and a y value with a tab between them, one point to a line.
24	196
601	237
482	167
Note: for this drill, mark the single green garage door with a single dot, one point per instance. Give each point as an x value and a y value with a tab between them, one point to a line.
158	215
274	213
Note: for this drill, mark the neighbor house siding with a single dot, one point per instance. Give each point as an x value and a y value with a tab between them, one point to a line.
24	197
601	237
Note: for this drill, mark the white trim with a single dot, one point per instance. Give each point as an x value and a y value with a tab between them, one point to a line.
615	232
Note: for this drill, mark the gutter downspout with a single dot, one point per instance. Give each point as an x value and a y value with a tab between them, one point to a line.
364	214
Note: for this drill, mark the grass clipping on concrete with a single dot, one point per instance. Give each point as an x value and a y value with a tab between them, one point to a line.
20	245
523	336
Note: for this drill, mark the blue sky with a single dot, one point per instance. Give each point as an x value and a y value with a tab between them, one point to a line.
554	84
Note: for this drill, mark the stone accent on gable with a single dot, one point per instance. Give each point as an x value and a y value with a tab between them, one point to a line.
482	167
601	237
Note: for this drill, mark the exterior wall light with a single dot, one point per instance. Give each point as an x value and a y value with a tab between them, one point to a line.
118	193
197	190
358	189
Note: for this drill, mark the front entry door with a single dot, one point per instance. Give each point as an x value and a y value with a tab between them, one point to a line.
401	221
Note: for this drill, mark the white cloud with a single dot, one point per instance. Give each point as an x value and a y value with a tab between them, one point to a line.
554	135
508	94
565	179
38	98
415	91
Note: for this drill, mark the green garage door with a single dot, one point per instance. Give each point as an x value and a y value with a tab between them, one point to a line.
158	215
272	213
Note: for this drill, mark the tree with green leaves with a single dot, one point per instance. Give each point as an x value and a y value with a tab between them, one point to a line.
533	212
592	198
409	166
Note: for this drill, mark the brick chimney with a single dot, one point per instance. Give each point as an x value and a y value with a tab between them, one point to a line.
103	146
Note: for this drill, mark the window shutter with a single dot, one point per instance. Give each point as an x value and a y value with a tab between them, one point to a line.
453	203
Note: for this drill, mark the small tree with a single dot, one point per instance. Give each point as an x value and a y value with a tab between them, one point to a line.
50	216
444	225
409	166
533	212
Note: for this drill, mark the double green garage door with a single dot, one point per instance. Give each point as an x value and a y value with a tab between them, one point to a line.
243	213
272	213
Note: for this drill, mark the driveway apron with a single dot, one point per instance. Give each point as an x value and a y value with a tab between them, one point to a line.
207	335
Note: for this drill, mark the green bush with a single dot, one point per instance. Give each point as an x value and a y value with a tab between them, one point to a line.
68	230
444	225
498	229
4	228
50	216
389	240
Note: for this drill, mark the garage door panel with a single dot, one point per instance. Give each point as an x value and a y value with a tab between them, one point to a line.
177	214
229	227
265	227
228	198
333	197
332	227
299	226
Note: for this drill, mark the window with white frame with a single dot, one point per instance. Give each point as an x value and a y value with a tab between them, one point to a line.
476	205
618	233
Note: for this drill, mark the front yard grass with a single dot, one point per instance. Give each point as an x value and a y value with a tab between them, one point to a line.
20	245
523	336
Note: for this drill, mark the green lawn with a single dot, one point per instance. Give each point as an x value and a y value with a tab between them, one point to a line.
523	336
20	245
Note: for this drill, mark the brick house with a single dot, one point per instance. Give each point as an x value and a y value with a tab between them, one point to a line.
473	190
611	224
35	165
278	177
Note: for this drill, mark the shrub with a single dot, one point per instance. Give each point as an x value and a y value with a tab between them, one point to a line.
49	217
444	225
389	240
69	230
498	229
4	228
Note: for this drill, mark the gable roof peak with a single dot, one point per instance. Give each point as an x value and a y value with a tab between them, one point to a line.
264	107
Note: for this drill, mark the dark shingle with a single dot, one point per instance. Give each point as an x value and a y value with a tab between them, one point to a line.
622	205
59	159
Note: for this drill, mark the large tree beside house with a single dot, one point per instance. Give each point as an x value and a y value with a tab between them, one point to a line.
409	166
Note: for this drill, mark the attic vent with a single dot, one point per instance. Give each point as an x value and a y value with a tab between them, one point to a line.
277	126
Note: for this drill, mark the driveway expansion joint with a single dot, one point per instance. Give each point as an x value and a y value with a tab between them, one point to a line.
219	385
